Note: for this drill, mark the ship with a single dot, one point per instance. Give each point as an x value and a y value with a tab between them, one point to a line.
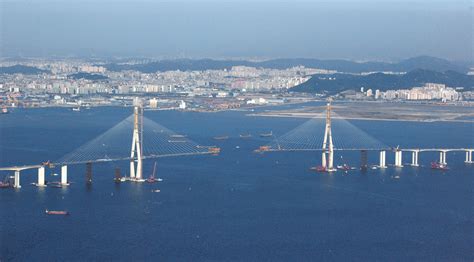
76	109
214	150
51	212
439	166
245	135
177	141
152	178
221	137
4	110
267	134
319	169
345	167
262	149
178	136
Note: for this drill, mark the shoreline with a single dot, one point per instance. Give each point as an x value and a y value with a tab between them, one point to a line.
363	118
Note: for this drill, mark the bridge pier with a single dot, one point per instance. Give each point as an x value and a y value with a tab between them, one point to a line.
382	159
468	157
41	177
89	173
16	183
64	175
414	158
442	157
398	158
323	160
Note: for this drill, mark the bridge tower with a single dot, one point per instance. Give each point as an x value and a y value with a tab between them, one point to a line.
328	148
136	173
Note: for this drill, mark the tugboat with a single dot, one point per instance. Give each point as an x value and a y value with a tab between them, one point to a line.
152	178
214	150
267	134
51	212
319	169
439	166
6	183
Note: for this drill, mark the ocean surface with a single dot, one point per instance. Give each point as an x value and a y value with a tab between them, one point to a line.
239	205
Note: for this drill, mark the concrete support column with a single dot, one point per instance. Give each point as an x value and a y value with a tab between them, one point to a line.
468	157
132	168
64	175
17	179
323	160
41	176
382	159
442	157
414	158
331	161
398	158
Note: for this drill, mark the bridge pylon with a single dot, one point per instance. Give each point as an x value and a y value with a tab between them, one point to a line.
328	148
136	154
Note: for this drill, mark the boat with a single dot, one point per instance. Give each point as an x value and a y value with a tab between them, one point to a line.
4	110
245	135
156	191
344	167
439	166
214	150
76	109
319	169
262	149
396	177
52	212
152	178
267	134
221	137
178	136
177	141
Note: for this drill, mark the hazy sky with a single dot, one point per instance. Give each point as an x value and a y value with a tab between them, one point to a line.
359	30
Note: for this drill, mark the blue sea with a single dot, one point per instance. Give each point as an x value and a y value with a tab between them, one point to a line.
239	205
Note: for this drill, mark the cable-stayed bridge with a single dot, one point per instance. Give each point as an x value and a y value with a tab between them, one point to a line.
151	140
148	140
317	134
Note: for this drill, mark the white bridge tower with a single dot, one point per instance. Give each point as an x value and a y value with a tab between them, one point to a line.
136	155
328	148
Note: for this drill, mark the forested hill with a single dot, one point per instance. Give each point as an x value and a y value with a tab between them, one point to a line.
340	82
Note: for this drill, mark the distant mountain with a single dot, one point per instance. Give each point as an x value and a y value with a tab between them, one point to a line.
340	82
21	69
421	62
88	76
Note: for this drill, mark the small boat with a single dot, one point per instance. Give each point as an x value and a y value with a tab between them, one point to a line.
156	191
439	166
214	150
245	135
5	185
4	110
262	149
77	109
178	136
221	137
152	178
344	167
51	212
319	169
177	141
267	134
396	177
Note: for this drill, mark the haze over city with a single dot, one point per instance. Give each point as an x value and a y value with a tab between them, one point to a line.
354	30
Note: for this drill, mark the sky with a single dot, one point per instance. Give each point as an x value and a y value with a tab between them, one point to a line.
383	30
